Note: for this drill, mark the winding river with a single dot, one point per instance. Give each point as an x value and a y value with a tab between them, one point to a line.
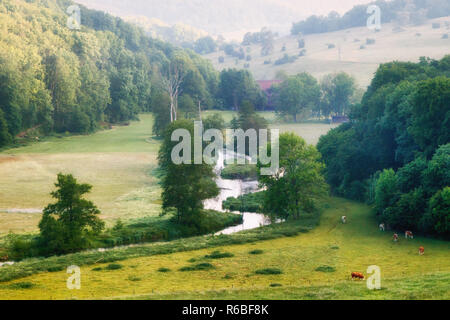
234	188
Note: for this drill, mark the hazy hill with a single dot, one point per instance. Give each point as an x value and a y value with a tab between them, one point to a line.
391	43
232	18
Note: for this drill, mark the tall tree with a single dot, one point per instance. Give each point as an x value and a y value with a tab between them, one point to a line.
66	225
297	94
299	179
185	186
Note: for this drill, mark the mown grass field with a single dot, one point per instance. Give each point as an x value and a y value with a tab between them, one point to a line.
118	163
410	44
340	248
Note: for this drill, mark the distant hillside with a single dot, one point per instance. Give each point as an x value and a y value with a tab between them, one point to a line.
345	50
401	12
213	16
176	34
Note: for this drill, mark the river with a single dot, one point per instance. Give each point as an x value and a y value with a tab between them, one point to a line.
235	188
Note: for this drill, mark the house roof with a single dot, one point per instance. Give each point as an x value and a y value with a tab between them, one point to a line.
267	84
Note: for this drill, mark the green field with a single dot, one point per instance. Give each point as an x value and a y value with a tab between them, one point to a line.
337	247
118	163
347	56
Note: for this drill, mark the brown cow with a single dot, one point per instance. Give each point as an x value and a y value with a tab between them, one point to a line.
357	275
421	251
395	237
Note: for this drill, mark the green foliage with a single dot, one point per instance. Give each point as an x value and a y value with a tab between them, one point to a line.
214	121
185	195
401	123
437	218
237	86
164	270
75	81
337	90
67	224
198	267
269	271
256	252
299	179
296	95
219	255
241	172
114	266
326	269
251	202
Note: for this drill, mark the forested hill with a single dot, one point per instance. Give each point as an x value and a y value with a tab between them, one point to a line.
401	12
54	79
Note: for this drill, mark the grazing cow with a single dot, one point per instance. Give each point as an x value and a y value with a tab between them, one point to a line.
344	219
421	251
382	227
395	237
409	234
357	275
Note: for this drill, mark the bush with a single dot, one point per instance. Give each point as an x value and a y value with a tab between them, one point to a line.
269	271
325	269
370	41
114	266
285	59
252	202
256	252
164	270
219	255
331	45
198	267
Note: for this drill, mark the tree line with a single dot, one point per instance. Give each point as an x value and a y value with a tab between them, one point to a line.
54	79
395	151
402	12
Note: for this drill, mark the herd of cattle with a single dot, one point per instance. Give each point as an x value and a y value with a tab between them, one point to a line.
408	235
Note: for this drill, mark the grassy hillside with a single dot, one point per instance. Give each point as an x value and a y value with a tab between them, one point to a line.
408	45
333	247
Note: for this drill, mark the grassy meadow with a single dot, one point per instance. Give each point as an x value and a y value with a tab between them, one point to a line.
119	163
408	43
332	247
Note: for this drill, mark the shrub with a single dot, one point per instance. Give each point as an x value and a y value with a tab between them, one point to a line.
285	59
97	269
219	255
370	41
21	285
331	45
275	285
198	267
164	270
114	266
256	252
269	271
325	269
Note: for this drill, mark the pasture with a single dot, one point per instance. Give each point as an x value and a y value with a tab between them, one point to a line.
119	163
407	43
333	247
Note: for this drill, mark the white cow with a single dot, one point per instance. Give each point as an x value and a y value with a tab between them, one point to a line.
344	219
382	227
